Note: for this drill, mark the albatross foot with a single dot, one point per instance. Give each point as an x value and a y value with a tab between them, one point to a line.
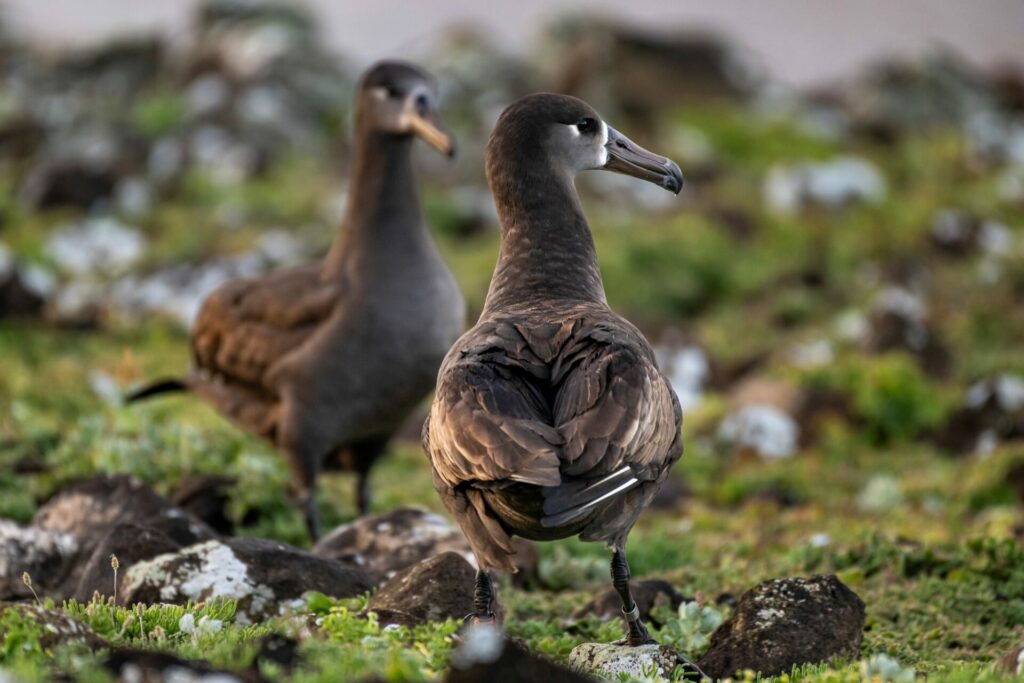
636	632
480	619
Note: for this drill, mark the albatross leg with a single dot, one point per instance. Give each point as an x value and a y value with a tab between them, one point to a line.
483	599
636	632
312	514
364	455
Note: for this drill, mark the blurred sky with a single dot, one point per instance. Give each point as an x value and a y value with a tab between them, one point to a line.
802	42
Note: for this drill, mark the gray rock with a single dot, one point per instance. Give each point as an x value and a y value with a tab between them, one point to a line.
899	321
992	412
784	623
131	544
611	660
18	297
147	666
486	656
265	577
830	184
91	510
385	544
46	555
433	590
96	246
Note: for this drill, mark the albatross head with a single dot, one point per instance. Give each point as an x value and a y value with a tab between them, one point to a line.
573	136
398	98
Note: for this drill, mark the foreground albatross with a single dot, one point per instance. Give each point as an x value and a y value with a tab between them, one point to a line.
327	360
551	418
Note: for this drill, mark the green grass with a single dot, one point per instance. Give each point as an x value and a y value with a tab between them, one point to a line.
929	541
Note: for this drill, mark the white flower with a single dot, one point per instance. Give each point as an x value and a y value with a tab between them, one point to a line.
207	625
187	624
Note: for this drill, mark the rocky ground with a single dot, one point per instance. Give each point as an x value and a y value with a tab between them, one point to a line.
837	296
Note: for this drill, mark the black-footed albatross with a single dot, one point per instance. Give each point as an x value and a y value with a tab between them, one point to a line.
326	360
551	418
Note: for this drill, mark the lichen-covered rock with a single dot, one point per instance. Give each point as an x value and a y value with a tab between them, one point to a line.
148	666
992	412
90	508
131	544
436	589
384	544
611	660
21	295
900	321
784	623
57	627
89	511
262	576
46	556
648	594
486	656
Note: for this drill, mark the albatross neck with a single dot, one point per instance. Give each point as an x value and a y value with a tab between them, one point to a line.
383	225
547	250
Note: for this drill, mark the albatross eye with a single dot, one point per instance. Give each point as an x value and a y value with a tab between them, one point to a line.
587	125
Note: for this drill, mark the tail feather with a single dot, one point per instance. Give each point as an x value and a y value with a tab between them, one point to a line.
570	502
163	386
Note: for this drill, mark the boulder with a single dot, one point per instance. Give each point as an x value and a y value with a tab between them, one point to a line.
613	660
21	294
263	576
784	623
57	627
130	543
992	412
435	589
763	418
647	593
486	655
899	322
384	544
44	554
148	666
92	510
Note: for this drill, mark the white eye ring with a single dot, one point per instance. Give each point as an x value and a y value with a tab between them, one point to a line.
574	129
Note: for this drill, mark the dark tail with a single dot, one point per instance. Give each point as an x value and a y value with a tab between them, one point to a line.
163	386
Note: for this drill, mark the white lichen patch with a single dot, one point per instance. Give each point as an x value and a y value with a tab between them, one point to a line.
22	548
612	661
203	572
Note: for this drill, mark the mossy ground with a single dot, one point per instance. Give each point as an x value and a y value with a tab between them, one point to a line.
936	557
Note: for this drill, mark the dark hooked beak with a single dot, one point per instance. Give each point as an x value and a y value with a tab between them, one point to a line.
429	128
625	156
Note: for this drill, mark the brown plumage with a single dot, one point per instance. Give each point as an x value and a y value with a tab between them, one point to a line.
325	361
551	418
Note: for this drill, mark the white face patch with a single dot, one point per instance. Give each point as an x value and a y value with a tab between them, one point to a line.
574	129
602	154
